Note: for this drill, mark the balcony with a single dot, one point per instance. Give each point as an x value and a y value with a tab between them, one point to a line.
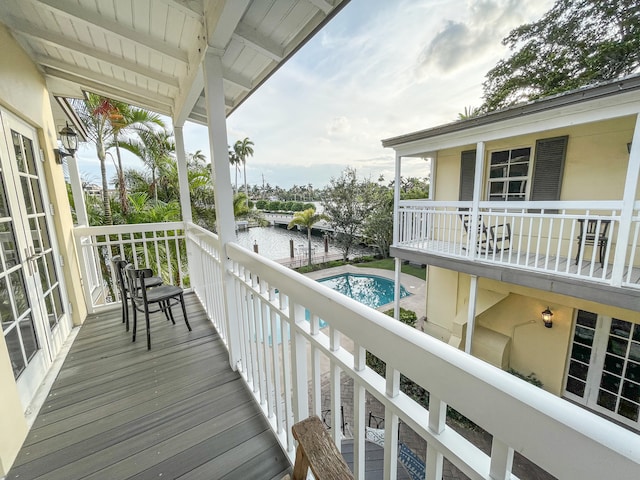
267	320
528	242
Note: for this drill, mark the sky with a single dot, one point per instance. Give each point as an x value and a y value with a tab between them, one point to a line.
379	69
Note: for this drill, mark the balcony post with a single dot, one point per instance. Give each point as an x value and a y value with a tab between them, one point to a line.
626	214
477	193
471	314
76	190
183	179
217	126
396	201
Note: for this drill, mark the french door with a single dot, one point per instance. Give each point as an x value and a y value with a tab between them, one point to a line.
603	371
32	297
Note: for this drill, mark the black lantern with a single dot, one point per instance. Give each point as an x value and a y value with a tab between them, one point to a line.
69	139
546	317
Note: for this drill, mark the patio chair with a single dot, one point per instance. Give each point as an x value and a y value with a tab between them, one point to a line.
118	265
595	235
496	238
142	298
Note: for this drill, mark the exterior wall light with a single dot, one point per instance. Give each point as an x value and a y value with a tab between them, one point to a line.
69	139
546	317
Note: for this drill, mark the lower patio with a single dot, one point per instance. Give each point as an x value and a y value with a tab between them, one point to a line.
119	411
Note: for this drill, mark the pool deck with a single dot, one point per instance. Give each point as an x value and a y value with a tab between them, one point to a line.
414	285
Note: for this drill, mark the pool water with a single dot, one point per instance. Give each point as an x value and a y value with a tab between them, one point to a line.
369	290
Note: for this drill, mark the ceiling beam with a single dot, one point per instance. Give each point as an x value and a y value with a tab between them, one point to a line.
98	78
50	38
323	5
188	97
259	43
95	20
109	91
222	18
237	79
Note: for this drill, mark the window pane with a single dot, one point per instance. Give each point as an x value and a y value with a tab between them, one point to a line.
588	319
610	382
517	186
631	391
578	370
583	335
28	334
636	332
8	244
634	351
4	209
582	353
17	148
6	311
28	151
26	193
16	281
498	172
633	371
575	386
628	409
613	364
519	170
497	187
607	400
15	352
620	328
499	157
520	154
617	346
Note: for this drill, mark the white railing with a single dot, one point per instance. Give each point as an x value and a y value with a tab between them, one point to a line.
159	246
537	236
288	360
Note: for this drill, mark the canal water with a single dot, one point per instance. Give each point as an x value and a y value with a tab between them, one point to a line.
273	243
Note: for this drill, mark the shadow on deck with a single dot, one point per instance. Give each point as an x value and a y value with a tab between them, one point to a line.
118	411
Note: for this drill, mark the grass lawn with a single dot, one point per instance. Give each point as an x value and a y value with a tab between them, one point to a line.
388	264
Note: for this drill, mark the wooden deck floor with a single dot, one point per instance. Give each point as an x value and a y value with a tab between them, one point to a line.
118	411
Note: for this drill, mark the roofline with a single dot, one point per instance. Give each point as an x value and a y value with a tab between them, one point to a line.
572	97
313	33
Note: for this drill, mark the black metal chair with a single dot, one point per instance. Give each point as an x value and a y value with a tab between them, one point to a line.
594	235
496	238
118	265
164	295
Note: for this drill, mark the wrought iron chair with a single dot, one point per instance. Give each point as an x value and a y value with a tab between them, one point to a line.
118	265
594	235
496	238
164	295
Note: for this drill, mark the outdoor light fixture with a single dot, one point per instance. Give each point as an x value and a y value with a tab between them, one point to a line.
546	317
69	139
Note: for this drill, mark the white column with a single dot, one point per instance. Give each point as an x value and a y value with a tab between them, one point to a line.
628	199
183	178
477	193
76	190
396	289
217	126
396	202
471	315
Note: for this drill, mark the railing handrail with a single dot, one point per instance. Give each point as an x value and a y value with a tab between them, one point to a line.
537	205
534	421
83	231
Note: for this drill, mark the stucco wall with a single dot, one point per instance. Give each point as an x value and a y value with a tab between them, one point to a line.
23	92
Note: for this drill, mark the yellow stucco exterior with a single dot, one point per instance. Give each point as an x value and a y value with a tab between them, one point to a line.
595	169
23	93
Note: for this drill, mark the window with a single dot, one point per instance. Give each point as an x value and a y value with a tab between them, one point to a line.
603	371
508	174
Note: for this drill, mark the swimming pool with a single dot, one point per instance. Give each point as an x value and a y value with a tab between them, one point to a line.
369	290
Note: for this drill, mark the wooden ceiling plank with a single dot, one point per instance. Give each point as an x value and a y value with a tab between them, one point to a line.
193	8
95	77
98	21
237	79
108	90
50	38
259	43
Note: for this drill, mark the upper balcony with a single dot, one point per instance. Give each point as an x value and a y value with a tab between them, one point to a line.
537	244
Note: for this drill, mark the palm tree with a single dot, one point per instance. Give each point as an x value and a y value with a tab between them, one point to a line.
243	149
154	148
126	119
234	160
307	218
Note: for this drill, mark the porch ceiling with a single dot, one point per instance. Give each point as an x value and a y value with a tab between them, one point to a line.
148	52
